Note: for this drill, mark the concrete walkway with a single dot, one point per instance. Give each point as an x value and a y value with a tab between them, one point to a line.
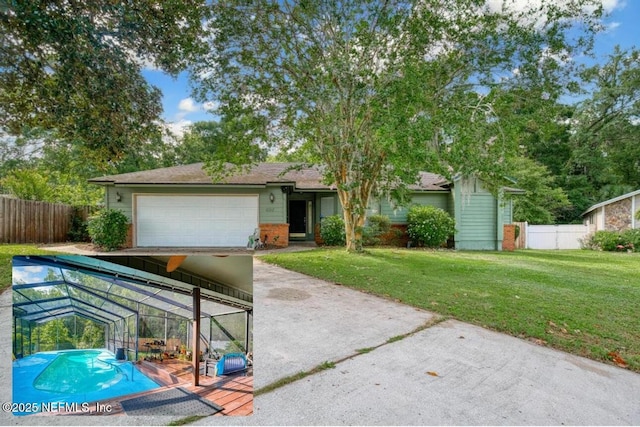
446	373
89	249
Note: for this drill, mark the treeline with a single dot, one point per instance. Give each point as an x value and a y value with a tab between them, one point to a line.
58	334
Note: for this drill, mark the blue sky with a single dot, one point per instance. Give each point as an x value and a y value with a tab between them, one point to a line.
623	28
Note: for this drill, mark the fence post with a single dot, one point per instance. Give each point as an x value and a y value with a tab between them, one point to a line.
3	233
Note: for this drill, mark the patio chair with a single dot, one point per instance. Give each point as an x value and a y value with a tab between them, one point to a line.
230	363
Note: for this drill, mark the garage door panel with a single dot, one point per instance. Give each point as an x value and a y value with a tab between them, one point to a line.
202	220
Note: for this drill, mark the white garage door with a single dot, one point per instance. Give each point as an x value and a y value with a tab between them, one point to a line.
198	220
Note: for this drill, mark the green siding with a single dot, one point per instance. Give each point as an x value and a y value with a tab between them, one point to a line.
398	215
507	211
477	217
276	212
477	224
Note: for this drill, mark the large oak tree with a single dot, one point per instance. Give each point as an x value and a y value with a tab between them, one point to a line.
374	91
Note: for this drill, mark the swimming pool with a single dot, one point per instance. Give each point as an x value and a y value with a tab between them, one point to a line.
51	379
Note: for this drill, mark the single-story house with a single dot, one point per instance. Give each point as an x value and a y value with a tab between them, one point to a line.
617	214
181	206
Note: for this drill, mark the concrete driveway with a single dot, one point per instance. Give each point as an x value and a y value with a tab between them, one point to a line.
444	373
449	373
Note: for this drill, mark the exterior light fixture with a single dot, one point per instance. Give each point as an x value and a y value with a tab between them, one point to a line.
272	198
118	197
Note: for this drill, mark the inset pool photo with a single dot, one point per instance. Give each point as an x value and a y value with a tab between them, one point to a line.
132	335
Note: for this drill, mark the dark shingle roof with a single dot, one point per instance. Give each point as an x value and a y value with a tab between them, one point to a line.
306	178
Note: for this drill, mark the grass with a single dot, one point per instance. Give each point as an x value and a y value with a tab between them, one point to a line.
583	302
295	377
6	254
187	420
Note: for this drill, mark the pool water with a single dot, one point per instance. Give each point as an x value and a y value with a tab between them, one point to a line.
75	376
80	372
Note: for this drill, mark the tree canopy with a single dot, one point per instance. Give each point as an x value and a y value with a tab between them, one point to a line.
590	146
203	141
377	91
544	200
606	126
39	166
74	68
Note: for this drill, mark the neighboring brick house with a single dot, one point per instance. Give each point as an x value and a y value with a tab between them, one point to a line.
615	214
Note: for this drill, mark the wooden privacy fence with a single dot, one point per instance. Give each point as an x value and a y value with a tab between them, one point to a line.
521	234
25	221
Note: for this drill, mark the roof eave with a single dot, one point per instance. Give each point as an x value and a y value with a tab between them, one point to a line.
613	200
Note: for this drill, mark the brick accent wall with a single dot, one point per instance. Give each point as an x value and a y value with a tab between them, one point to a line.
397	236
509	237
129	242
316	235
275	234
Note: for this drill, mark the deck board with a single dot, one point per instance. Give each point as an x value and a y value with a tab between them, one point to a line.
232	392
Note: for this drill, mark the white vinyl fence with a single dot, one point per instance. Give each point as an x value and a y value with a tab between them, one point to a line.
554	236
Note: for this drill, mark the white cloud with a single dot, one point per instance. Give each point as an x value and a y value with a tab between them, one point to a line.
532	5
534	11
610	5
178	127
188	105
27	274
210	105
562	57
612	26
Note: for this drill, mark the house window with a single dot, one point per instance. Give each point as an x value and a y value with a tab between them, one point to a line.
326	207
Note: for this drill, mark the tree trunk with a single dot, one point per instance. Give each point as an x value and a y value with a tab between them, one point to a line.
354	219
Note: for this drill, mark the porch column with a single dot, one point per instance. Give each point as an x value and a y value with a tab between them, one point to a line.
137	334
195	346
499	221
247	331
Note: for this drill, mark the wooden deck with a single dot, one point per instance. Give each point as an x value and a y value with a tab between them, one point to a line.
234	393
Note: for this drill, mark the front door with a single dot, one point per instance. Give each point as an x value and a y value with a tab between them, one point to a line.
297	219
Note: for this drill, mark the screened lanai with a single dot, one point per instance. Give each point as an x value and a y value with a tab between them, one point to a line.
190	307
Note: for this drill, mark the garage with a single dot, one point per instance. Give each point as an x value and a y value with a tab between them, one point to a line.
201	220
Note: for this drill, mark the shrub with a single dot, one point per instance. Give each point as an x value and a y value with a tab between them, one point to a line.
604	240
108	229
632	239
78	229
613	241
332	230
429	226
377	225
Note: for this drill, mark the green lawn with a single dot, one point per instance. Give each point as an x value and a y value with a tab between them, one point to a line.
583	302
7	252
